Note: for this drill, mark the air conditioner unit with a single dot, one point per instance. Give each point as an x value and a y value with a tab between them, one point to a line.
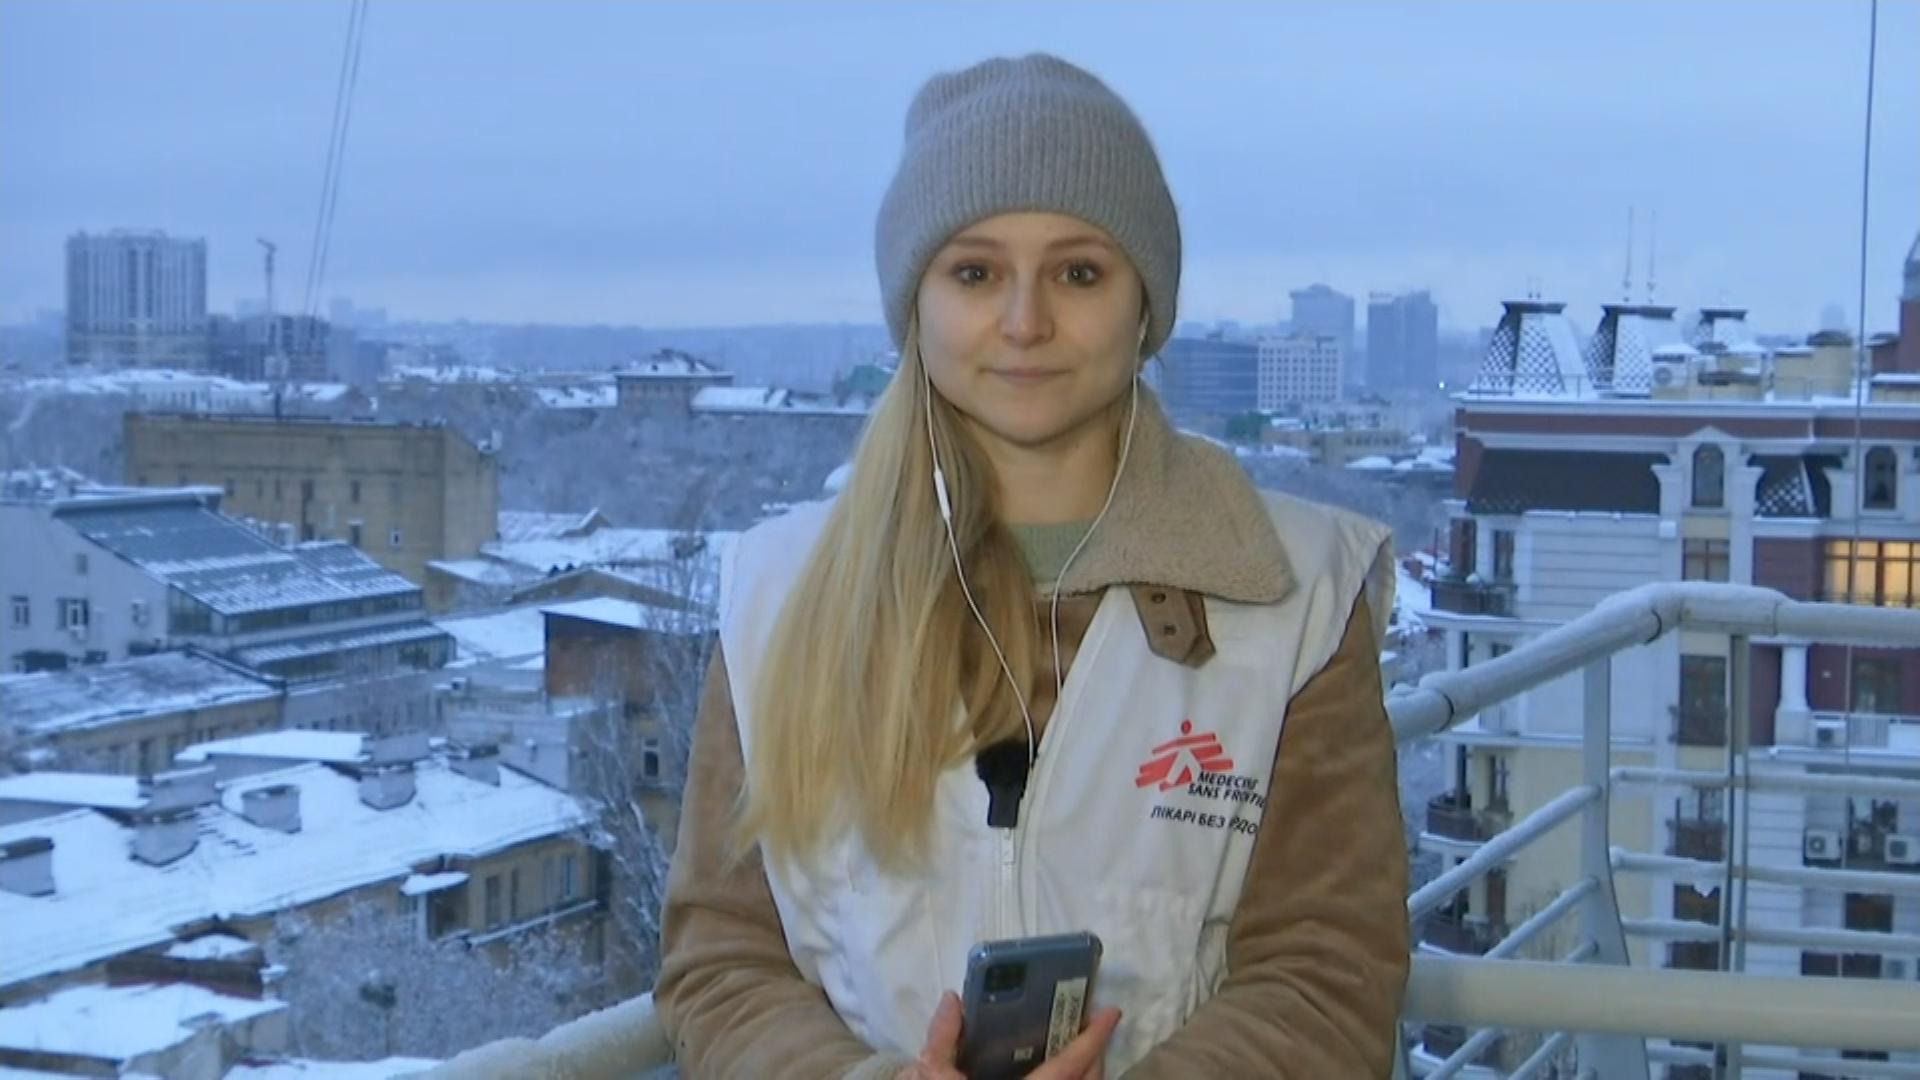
1821	845
1903	849
1830	734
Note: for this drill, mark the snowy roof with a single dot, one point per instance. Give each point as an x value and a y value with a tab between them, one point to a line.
589	396
451	373
517	525
1371	462
99	694
303	1069
768	399
513	633
482	572
387	635
117	1023
106	903
603	547
104	790
604	609
420	884
227	566
670	364
294	744
212	947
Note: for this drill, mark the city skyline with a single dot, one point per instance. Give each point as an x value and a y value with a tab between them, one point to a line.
486	179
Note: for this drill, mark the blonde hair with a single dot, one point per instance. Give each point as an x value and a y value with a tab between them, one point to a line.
877	679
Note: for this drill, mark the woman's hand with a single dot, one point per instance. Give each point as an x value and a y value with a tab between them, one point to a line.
1081	1059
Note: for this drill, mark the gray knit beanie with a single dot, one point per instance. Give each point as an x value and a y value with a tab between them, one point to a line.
1035	133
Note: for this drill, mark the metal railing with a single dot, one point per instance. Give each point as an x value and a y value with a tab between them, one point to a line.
1591	1006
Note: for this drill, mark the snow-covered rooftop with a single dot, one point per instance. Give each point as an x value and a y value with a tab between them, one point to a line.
486	572
293	744
604	609
212	947
104	790
510	634
589	396
604	547
671	364
304	1069
516	525
92	696
118	1023
768	399
106	903
226	565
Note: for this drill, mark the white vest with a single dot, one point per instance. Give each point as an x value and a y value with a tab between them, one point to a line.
1138	822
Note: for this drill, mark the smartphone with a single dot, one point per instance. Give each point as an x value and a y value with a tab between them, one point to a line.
1025	1000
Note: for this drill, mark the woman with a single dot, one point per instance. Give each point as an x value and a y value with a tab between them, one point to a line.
1170	679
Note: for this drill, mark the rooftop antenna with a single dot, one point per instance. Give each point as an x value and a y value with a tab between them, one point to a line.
1653	249
1626	275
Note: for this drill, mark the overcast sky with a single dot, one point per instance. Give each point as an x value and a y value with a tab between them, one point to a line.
709	163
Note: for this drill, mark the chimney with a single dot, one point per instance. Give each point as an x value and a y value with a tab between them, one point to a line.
404	748
479	762
161	839
178	790
385	787
275	807
26	866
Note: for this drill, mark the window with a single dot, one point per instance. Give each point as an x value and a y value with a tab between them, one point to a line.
354	529
493	901
513	893
1462	553
1880	573
276	488
566	877
1709	478
353	491
1876	685
1701	719
1703	560
1869	911
74	613
259	489
229	487
22	612
650	758
1503	554
80	562
1880	488
306	491
139	613
393	539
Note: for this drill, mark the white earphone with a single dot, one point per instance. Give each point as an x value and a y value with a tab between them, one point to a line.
953	545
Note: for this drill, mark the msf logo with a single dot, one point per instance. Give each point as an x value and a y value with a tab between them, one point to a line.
1181	761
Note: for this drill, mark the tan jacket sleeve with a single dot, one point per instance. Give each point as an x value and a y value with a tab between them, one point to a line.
1317	952
729	995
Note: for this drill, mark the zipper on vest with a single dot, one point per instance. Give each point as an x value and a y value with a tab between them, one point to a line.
1007	895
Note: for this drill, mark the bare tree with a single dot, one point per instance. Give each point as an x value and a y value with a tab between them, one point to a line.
366	983
632	746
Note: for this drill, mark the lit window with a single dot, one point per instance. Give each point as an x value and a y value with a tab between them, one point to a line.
1880	573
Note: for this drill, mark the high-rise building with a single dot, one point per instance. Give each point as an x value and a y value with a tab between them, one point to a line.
1326	312
1209	377
1299	368
1403	341
136	298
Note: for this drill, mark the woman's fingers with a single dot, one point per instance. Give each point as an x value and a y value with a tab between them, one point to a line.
1084	1057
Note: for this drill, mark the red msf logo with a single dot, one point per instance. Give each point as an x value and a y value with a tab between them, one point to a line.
1176	763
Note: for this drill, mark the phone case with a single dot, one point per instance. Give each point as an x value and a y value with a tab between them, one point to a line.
1008	1032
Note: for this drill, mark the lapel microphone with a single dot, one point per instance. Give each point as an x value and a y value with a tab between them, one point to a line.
1003	768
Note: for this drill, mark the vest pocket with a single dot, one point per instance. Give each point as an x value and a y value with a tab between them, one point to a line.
1151	937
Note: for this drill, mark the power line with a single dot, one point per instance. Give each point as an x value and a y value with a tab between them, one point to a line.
343	94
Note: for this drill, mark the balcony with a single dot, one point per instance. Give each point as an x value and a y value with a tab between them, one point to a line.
1631	1022
1700	725
1694	838
1445	1040
1450	815
1465	597
1470	935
